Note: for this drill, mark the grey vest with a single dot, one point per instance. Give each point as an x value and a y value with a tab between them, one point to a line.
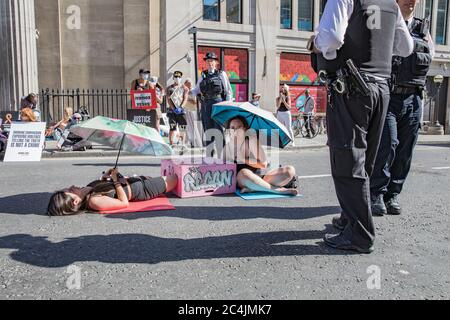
369	47
412	71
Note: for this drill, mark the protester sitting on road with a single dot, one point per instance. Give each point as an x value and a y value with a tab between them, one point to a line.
111	192
58	129
27	115
246	151
31	101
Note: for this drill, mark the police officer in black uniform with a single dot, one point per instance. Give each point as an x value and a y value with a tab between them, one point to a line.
401	130
354	46
214	87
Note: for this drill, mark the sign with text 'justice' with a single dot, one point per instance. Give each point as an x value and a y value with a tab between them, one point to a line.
25	142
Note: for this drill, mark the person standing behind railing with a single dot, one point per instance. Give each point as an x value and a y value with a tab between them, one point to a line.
142	83
160	93
284	106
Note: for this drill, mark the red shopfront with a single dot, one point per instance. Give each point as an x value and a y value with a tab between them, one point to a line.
235	63
296	71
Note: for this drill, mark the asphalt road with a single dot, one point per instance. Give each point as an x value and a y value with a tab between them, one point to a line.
221	247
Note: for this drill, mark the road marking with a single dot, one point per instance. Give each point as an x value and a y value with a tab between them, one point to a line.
316	177
441	168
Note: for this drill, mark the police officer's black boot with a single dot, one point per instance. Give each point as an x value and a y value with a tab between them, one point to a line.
339	223
378	206
393	206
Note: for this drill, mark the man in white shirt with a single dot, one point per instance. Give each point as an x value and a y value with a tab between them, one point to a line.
364	34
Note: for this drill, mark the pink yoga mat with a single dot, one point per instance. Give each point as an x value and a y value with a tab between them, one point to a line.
158	204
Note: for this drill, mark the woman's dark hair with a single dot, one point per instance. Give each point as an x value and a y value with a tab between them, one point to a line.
61	204
240	118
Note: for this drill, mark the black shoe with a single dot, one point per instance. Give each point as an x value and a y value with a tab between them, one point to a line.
293	184
393	207
339	242
378	207
339	223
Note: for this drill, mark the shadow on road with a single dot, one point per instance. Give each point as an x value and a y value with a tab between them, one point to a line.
221	213
24	204
36	204
146	249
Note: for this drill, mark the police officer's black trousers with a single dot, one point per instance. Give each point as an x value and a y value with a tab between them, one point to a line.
355	125
209	123
400	135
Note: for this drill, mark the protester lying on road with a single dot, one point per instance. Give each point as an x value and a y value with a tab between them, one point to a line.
246	151
111	192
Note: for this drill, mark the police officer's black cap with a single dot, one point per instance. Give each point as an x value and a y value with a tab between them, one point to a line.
144	71
211	56
178	74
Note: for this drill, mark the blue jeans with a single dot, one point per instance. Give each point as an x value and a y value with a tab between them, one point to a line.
400	135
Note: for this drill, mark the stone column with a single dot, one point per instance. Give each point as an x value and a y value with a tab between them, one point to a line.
18	56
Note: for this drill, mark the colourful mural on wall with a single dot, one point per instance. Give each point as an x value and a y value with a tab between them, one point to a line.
296	68
319	93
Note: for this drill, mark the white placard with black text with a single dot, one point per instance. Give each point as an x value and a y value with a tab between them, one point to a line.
25	142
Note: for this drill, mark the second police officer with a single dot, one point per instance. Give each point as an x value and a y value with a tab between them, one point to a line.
355	43
401	130
214	87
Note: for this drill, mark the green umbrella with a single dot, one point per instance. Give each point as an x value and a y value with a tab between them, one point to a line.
123	135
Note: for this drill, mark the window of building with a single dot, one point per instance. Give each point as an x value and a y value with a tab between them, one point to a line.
234	11
297	72
211	10
235	63
428	8
305	15
323	3
441	25
286	14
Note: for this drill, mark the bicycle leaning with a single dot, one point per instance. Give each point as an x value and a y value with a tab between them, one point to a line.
307	125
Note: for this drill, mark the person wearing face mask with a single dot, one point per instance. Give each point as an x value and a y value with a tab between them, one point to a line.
245	150
142	83
160	93
177	95
213	87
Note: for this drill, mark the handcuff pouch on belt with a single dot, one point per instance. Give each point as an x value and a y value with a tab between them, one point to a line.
347	80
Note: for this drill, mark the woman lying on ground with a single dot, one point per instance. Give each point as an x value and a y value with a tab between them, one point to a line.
111	192
246	151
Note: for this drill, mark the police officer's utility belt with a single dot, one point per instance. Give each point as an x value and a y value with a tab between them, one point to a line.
211	97
406	90
349	80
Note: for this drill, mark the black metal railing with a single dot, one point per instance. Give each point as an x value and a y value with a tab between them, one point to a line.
105	102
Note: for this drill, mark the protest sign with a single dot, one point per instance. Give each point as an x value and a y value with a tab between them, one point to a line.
25	142
144	117
143	100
